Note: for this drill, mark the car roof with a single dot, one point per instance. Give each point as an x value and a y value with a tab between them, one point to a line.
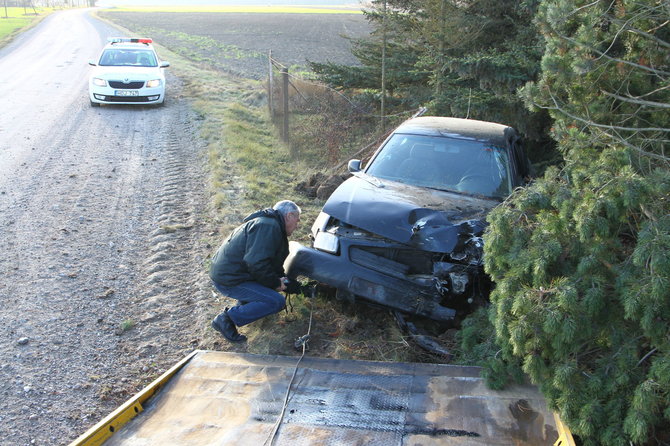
129	43
457	128
129	46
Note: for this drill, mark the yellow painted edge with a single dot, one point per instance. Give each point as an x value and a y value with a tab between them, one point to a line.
99	433
564	434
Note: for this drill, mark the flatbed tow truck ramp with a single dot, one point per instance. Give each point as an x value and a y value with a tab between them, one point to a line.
219	398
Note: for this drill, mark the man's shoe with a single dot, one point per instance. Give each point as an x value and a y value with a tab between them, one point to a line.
224	325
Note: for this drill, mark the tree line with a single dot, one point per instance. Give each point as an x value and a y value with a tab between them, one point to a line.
580	257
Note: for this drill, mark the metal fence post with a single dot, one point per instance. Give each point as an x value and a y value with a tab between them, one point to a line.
270	79
284	75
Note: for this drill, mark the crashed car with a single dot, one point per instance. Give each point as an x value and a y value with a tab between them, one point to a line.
405	231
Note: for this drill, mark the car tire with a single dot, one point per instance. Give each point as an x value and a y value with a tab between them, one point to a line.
95	104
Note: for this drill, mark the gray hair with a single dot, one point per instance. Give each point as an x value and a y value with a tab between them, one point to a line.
286	207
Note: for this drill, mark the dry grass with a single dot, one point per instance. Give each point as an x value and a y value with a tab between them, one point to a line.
251	168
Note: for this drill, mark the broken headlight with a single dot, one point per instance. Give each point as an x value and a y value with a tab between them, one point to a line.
320	223
325	241
470	250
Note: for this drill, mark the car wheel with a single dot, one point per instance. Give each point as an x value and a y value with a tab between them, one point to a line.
95	104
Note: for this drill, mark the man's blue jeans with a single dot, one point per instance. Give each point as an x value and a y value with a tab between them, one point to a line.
256	301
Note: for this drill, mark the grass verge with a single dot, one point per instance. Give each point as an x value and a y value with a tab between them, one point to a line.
250	168
14	20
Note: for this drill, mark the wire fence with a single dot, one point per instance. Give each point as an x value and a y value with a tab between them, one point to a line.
320	125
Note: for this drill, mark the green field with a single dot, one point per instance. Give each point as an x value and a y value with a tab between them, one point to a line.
14	19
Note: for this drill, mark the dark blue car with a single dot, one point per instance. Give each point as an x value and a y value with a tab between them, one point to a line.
405	231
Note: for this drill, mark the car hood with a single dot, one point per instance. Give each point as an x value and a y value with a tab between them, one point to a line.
136	73
426	218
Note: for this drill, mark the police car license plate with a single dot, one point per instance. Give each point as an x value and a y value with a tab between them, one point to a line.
127	93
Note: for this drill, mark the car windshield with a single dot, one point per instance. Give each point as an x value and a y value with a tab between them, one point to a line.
453	164
116	57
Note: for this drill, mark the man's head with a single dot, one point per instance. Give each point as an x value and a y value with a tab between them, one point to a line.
290	212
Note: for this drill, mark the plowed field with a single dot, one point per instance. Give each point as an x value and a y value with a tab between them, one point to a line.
239	43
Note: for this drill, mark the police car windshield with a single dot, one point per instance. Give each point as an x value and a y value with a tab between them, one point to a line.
117	57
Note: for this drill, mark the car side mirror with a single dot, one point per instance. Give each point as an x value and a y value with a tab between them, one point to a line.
354	166
165	64
92	63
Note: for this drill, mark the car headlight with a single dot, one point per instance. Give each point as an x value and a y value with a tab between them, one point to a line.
325	241
99	82
154	83
320	223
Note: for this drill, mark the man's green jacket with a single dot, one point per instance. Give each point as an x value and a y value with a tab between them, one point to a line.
254	252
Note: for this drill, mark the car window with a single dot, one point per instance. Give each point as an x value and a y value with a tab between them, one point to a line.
116	57
453	164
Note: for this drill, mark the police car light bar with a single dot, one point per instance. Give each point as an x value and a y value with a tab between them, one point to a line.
127	39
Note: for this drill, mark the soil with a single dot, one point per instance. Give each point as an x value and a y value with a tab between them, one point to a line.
240	43
105	232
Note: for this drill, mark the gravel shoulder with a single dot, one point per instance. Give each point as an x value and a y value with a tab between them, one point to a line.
103	218
105	229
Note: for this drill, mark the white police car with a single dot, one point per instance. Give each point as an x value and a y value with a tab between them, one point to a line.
128	71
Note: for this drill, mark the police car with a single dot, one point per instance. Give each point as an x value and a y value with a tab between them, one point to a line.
128	71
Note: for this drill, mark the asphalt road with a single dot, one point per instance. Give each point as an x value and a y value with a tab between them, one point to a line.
90	275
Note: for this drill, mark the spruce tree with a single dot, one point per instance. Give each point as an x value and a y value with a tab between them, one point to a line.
581	259
458	58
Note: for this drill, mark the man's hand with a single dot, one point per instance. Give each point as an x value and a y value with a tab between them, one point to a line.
284	282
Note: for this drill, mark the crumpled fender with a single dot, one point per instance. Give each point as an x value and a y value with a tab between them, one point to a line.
381	289
428	219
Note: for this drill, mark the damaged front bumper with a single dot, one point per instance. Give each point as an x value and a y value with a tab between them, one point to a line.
357	271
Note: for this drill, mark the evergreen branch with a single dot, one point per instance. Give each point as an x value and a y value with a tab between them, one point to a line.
635	101
595	124
655	91
649	35
662	25
583	7
648	213
637	149
642	33
646	356
609	127
615	59
616	36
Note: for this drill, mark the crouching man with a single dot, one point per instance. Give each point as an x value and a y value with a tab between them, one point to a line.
249	267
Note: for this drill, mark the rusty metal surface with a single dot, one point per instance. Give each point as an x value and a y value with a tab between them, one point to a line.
222	398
